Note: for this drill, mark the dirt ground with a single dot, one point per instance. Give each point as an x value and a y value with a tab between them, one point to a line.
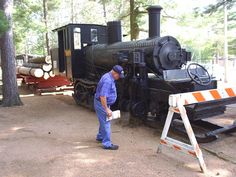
50	136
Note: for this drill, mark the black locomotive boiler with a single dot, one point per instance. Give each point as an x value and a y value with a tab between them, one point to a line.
154	68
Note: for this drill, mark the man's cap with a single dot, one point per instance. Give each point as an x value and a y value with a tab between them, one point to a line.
119	70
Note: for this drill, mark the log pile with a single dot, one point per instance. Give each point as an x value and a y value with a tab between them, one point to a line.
37	67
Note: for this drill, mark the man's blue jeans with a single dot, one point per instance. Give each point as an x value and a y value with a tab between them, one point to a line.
104	132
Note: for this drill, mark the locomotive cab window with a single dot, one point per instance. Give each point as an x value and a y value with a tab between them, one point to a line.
94	35
77	38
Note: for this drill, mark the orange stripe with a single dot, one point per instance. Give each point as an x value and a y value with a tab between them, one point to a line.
192	153
177	147
215	94
198	96
163	142
230	91
176	110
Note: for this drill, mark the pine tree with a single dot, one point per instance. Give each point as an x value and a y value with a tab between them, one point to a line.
10	89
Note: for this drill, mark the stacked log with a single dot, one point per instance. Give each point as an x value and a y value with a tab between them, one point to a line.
43	66
35	72
41	60
37	67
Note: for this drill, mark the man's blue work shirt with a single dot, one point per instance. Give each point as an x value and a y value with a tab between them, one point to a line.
106	87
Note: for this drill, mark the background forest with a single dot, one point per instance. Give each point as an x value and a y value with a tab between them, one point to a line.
197	24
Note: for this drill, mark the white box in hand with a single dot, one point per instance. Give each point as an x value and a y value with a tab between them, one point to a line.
115	115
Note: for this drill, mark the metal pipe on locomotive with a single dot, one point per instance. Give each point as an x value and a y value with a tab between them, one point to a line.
154	68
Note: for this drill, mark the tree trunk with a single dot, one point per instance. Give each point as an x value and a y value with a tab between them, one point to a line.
132	20
45	16
72	10
10	89
104	10
134	27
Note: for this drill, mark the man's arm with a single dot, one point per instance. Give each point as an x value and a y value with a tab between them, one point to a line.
103	100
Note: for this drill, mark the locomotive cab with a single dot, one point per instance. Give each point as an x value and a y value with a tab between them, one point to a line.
68	58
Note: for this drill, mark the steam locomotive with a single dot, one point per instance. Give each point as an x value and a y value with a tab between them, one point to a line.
154	68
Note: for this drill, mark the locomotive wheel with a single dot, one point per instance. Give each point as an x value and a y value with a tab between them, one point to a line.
139	110
80	93
124	105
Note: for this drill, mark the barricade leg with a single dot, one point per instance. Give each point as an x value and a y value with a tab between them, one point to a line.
192	137
166	127
191	149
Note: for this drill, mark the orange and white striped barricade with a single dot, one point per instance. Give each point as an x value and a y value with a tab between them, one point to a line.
177	102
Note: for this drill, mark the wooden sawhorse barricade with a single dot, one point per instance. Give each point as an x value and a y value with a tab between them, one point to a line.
177	103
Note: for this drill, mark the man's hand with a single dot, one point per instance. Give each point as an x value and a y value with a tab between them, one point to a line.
109	112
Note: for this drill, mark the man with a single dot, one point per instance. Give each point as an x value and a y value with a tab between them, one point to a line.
106	96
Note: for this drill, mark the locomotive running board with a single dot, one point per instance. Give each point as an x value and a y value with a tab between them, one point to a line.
210	135
177	104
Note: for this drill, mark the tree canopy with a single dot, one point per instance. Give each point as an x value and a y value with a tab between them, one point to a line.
197	24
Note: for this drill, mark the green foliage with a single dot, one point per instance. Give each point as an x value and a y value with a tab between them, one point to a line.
200	30
29	27
3	23
215	12
218	6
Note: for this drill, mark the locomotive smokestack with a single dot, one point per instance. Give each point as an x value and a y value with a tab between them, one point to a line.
114	31
154	13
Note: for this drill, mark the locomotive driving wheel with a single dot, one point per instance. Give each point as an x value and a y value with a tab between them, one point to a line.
139	110
80	93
